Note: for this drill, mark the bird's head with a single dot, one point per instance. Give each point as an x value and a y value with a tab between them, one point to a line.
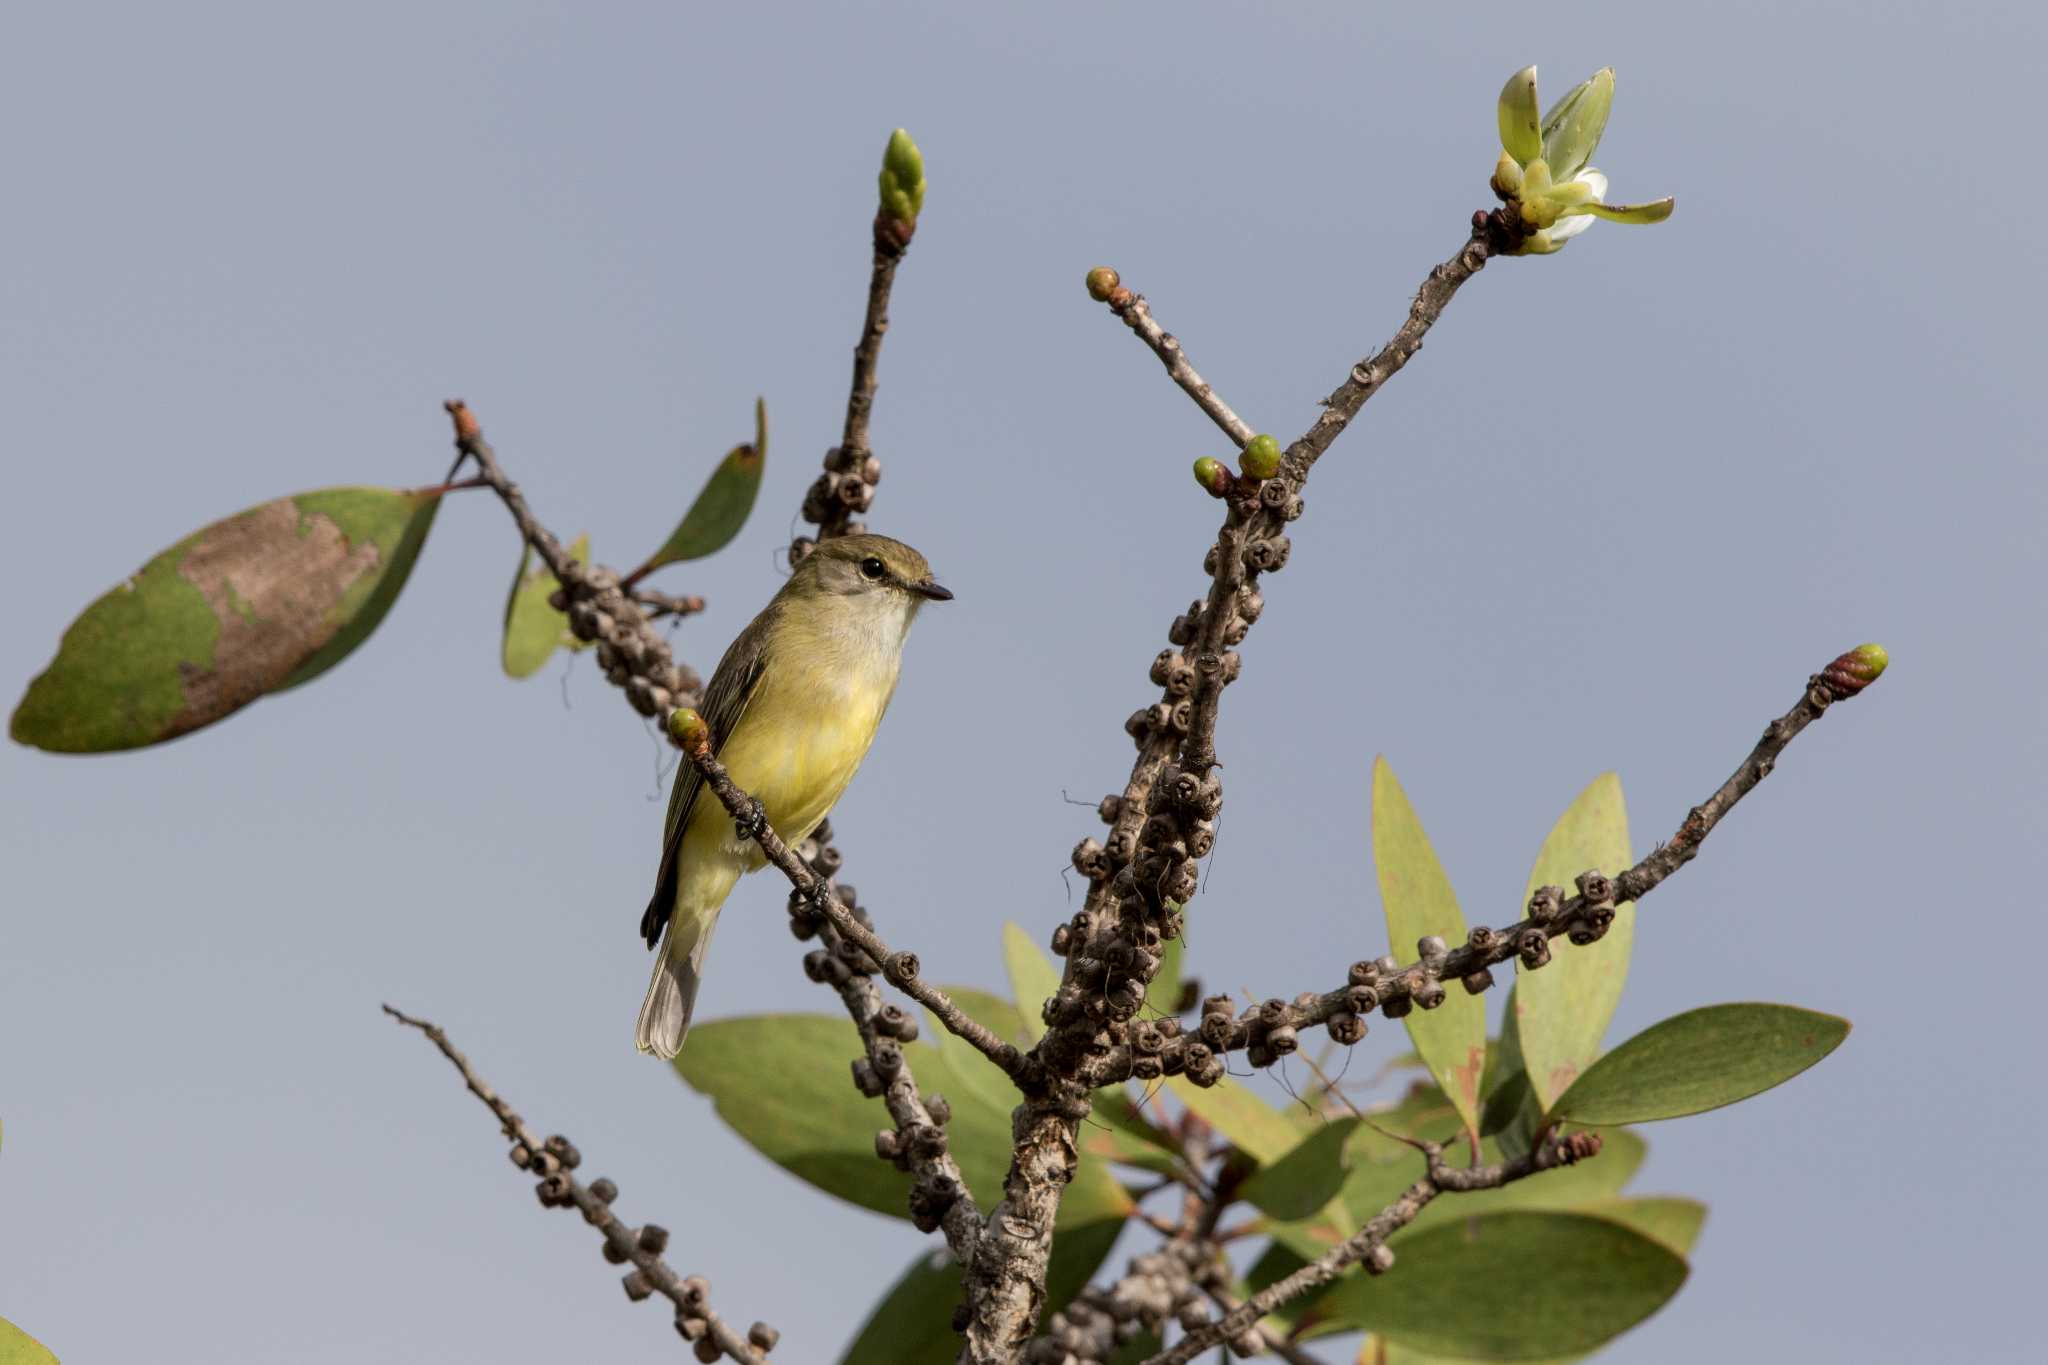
870	566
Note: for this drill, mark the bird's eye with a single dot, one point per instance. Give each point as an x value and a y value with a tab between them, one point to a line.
872	568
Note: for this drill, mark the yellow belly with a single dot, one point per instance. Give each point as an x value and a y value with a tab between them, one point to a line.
797	772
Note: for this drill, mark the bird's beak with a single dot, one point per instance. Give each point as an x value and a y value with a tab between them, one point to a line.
927	588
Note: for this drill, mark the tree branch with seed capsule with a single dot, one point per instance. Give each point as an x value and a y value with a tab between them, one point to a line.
1105	287
900	968
556	1160
598	608
1271	1030
1368	1244
1146	869
847	487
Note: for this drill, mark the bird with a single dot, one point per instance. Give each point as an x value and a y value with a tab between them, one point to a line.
792	709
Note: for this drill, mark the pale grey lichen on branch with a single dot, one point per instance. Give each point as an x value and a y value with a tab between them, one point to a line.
555	1160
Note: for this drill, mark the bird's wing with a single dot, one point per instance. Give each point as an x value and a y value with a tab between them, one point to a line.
725	701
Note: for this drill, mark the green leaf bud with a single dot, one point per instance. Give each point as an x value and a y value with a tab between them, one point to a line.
1507	177
902	179
1212	475
1261	458
1101	281
1850	673
688	730
1572	128
1521	132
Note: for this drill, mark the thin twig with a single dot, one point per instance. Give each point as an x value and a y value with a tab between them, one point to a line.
1368	1244
1279	1346
900	968
1137	315
847	487
555	1161
1553	919
636	657
890	245
661	604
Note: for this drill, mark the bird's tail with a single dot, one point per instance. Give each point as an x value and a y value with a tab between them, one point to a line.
672	994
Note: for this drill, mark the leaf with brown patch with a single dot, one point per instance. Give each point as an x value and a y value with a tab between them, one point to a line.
262	601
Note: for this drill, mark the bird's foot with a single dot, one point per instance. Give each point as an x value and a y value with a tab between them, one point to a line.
754	823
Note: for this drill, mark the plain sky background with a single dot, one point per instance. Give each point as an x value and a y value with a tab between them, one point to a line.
1622	504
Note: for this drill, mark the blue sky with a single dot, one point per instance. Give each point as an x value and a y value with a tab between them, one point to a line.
1625	500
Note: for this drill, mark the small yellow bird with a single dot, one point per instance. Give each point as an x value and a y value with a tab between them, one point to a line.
792	708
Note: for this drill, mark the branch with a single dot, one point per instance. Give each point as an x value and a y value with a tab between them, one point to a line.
1147	868
1271	1030
1369	1243
555	1161
847	487
900	968
633	654
660	604
939	1197
1137	315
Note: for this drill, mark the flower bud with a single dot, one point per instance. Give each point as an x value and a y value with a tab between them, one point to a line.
1213	476
1101	280
902	179
689	731
1261	458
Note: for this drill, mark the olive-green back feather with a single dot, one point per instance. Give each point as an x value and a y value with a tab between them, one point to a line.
732	686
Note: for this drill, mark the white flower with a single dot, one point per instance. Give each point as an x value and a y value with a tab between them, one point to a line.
1543	168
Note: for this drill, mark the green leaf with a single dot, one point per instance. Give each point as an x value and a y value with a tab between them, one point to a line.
1512	1113
721	508
1674	1222
1577	1281
19	1348
913	1323
1379	1168
1572	128
1033	978
533	629
783	1083
262	601
1306	1178
1700	1060
1120	1132
1419	901
1255	1127
1656	211
1521	135
1563	1009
